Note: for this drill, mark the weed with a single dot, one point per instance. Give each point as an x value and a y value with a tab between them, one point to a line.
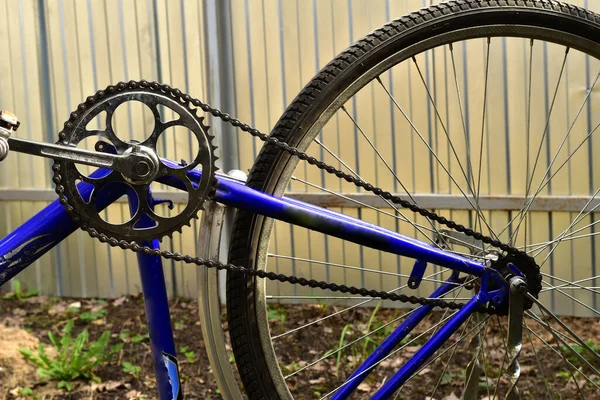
277	313
124	335
290	368
140	338
179	325
89	316
566	375
581	350
190	356
131	369
26	391
369	340
446	378
347	329
19	293
75	358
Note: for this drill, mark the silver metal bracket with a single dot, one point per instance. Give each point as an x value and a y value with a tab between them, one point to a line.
446	237
518	290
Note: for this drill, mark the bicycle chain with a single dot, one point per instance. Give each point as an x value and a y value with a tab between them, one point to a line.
188	100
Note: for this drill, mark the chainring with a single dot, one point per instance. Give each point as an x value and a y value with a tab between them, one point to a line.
81	193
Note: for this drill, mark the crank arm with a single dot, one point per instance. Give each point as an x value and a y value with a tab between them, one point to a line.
138	165
79	156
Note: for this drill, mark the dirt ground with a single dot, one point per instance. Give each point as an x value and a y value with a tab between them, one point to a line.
26	323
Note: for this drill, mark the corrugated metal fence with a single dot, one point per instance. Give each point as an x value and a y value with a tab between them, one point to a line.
262	52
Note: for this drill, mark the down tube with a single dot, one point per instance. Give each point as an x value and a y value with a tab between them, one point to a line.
45	230
235	194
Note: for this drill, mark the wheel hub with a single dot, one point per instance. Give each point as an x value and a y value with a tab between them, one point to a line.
511	265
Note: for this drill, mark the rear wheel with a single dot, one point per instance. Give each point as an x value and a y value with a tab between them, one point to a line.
467	108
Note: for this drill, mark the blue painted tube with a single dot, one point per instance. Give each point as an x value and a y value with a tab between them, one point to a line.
43	231
158	315
234	194
159	323
388	345
428	349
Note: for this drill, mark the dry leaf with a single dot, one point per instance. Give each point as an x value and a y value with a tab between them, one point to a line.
452	396
75	304
119	301
133	394
364	387
107	386
97	308
315	381
57	309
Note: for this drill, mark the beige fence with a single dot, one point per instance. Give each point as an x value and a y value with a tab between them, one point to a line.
59	52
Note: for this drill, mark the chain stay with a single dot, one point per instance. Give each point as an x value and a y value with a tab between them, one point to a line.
177	94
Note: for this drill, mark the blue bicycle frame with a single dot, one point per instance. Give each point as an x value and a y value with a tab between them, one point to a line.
51	225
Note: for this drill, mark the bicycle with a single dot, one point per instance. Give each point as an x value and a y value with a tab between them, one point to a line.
507	279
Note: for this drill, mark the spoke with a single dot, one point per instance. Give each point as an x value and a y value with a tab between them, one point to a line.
504	336
558	353
373	147
529	179
570	237
483	113
434	154
548	327
582	342
336	157
307	260
402	217
537	359
528	136
567	283
562	355
542	185
439	117
459	288
549	168
575	221
348	345
434	359
432	395
344	310
574	299
384	161
401	348
446	364
462	115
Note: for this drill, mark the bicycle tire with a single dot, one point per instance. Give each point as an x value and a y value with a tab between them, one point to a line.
552	21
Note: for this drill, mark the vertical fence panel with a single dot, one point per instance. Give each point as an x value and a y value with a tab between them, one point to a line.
61	51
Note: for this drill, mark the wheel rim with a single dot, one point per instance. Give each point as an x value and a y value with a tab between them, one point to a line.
279	187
